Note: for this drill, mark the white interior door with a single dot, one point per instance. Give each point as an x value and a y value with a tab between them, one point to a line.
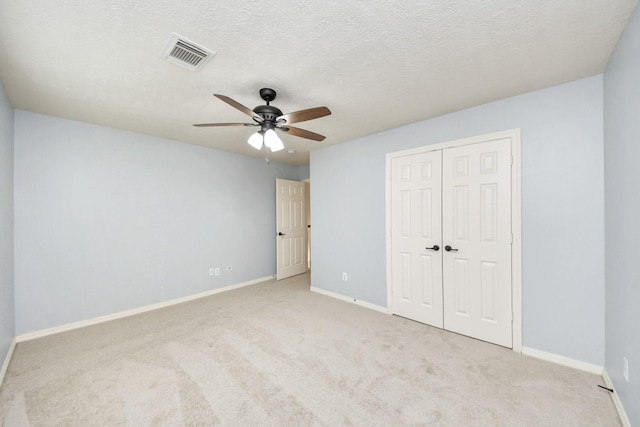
476	219
291	227
416	237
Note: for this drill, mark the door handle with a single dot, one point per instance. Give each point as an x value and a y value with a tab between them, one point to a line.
450	249
281	234
434	248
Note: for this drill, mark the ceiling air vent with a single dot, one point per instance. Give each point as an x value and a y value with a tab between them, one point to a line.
186	53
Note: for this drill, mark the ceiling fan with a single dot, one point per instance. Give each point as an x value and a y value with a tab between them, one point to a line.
270	119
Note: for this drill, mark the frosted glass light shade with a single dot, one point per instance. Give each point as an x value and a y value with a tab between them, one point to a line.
272	141
255	140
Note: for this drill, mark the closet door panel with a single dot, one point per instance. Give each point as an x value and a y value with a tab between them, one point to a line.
476	227
416	220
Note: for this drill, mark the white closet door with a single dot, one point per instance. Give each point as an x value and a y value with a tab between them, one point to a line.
416	226
476	198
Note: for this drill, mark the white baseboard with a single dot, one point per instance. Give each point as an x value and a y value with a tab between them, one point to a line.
7	359
132	312
583	366
562	360
351	300
616	400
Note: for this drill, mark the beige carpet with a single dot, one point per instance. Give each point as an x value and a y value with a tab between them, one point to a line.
277	354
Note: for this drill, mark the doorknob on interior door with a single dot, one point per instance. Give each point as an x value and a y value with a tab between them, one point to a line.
434	248
281	234
450	249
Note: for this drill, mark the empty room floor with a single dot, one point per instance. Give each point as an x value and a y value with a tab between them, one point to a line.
275	353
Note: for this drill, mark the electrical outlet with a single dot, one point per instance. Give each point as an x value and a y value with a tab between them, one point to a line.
345	278
625	369
211	272
217	271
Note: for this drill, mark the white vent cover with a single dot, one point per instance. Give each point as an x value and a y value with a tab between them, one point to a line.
184	52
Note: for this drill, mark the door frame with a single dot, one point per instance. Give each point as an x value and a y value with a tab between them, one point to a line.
516	218
307	211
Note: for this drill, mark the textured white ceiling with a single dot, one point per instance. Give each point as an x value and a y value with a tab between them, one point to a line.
376	64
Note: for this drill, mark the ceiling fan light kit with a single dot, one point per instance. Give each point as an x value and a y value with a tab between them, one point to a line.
272	141
256	140
270	119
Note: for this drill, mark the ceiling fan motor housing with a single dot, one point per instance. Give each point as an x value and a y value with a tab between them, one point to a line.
268	112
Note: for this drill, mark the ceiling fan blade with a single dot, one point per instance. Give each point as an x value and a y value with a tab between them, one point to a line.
204	125
304	115
302	133
235	104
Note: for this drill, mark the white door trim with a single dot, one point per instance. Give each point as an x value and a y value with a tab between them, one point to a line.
516	218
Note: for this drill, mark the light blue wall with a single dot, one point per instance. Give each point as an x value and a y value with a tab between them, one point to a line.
108	220
303	172
562	210
622	202
7	320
